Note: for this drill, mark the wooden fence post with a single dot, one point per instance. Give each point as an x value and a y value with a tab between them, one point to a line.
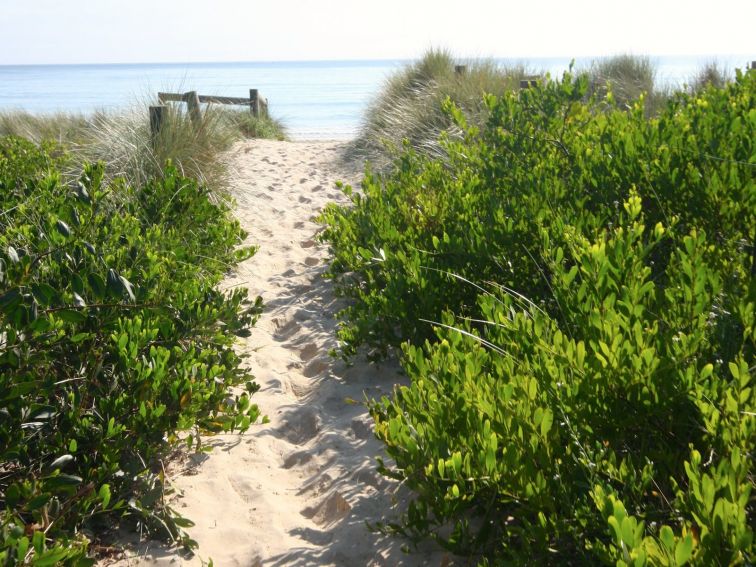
254	102
158	115
193	106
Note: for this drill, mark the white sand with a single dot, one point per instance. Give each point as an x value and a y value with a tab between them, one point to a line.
299	490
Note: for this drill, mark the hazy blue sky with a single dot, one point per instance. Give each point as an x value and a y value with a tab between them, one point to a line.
109	31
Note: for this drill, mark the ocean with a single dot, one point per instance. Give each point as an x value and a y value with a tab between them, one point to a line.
314	99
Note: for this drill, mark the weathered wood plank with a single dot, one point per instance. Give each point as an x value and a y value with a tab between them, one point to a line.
170	97
158	116
193	106
254	102
204	99
223	99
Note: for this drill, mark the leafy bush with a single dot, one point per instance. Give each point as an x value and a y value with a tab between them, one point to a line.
113	339
586	395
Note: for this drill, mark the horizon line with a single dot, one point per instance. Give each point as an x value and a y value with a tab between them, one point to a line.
376	60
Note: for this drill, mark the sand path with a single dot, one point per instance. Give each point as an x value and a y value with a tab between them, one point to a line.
299	490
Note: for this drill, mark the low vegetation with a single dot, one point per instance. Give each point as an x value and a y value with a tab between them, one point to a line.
408	109
114	339
124	143
573	290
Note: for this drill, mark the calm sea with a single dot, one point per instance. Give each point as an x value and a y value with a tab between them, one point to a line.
315	99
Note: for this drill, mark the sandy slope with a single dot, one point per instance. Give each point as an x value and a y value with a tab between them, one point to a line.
299	490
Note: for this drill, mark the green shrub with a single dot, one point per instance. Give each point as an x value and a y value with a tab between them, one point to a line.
586	395
113	339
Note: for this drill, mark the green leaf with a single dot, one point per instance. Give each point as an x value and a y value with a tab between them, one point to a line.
667	537
62	461
684	550
37	502
22	549
13	255
97	284
71	315
548	420
51	557
44	293
128	287
114	285
62	480
570	276
104	495
63	228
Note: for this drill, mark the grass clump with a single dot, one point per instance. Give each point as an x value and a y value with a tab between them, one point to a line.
711	74
627	77
114	338
123	140
251	126
410	105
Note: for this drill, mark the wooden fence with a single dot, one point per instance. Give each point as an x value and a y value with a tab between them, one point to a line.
258	105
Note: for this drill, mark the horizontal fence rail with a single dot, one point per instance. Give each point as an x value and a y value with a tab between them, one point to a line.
258	106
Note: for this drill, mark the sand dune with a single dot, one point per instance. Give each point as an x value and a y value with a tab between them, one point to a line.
299	490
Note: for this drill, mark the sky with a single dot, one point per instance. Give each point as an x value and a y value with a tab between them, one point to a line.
147	31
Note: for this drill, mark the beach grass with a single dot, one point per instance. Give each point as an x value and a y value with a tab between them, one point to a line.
627	77
409	106
124	142
711	74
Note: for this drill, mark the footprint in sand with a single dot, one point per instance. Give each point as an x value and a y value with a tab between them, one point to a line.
299	224
361	428
304	200
303	180
314	368
243	487
332	509
297	459
286	329
301	426
370	478
311	261
300	391
309	351
302	314
307	243
317	188
318	484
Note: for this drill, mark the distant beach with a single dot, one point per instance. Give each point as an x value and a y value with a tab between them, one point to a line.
315	99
